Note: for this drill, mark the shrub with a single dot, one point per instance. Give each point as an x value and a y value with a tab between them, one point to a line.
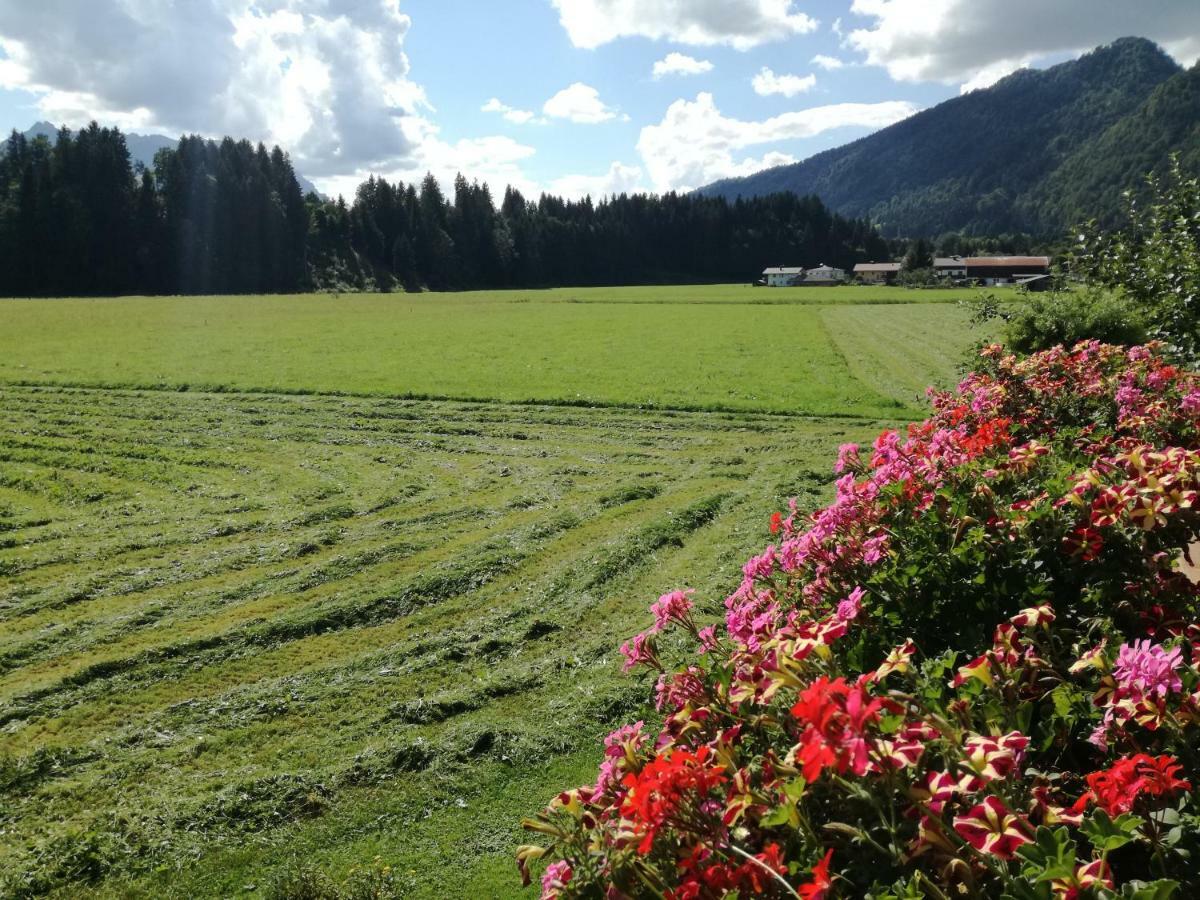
976	673
1155	260
1064	318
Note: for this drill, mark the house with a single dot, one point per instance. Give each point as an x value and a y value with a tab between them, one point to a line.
782	276
993	270
950	266
877	273
823	274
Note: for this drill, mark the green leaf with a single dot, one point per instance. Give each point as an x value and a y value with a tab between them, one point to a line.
1108	834
1050	857
1150	890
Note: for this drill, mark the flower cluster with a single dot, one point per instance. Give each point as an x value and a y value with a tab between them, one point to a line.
859	724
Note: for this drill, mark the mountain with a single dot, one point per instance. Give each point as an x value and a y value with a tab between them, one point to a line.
1035	152
142	148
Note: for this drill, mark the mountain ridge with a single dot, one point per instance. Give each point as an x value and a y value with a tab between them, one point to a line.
1010	157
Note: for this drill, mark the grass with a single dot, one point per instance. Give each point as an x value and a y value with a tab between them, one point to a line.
250	641
714	348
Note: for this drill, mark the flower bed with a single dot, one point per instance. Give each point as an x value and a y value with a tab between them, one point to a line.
975	674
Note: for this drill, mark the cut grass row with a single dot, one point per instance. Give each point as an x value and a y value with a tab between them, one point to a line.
248	636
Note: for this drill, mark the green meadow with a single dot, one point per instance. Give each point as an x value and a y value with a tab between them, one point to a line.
711	347
318	596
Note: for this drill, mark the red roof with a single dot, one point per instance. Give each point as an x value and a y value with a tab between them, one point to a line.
972	261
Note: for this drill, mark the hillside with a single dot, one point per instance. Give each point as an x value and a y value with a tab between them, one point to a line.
1034	152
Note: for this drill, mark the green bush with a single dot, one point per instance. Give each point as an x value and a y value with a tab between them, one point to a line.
1040	321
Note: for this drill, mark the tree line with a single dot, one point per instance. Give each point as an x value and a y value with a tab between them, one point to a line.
77	217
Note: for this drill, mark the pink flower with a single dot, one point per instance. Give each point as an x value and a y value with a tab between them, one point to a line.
638	651
555	879
849	608
672	607
1191	403
874	549
708	639
847	458
1147	669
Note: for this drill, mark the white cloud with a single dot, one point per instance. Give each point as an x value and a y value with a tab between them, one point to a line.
766	83
680	64
695	144
969	41
738	23
511	114
494	159
828	63
328	79
579	103
619	179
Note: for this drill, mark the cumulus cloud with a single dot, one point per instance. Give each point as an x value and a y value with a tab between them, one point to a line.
579	103
511	114
828	63
974	41
696	144
619	179
766	83
328	79
680	64
494	159
738	23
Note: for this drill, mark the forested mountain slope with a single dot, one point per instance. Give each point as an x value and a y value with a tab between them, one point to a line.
1033	152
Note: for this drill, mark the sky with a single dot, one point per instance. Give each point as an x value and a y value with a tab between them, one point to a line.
573	97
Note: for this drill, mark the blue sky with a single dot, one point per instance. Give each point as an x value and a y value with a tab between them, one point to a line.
554	95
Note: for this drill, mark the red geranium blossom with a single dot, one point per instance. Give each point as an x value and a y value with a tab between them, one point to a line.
665	788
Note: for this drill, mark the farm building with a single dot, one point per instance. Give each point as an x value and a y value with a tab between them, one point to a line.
782	276
950	266
1037	283
992	270
823	274
877	273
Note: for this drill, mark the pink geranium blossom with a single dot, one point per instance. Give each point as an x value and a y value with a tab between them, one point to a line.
672	607
1146	669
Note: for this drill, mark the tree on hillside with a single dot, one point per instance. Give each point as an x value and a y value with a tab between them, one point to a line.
919	256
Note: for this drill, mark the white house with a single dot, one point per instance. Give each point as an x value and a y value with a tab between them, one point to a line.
782	276
950	266
824	274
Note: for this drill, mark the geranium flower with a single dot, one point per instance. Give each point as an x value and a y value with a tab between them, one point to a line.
672	607
835	717
640	651
1119	787
819	886
991	828
1146	669
665	788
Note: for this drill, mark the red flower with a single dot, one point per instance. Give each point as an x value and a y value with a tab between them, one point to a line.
776	522
836	717
1118	788
665	789
821	882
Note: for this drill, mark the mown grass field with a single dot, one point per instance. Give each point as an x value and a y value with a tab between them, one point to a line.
718	347
253	640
